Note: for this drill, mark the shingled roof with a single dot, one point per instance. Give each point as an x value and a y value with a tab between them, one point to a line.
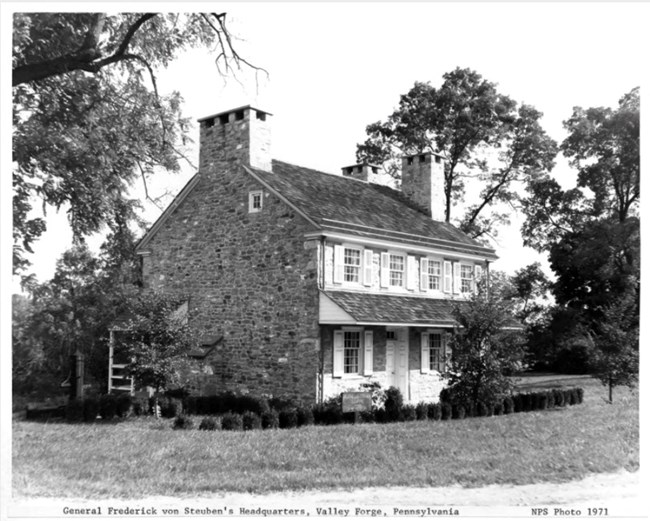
338	203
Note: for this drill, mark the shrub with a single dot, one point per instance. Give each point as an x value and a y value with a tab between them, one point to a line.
458	412
550	400
542	401
470	409
527	402
251	421
572	396
183	422
270	419
305	416
580	394
141	405
90	409
517	403
508	405
559	398
422	411
107	406
380	415
329	412
250	403
435	412
445	411
497	408
282	402
209	423
123	405
288	418
408	413
481	409
232	422
170	407
190	405
393	404
74	410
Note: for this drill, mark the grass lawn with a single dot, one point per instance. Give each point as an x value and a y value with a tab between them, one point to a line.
145	457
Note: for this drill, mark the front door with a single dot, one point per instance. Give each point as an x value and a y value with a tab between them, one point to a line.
397	359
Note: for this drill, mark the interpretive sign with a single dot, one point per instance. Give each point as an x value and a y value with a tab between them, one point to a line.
357	402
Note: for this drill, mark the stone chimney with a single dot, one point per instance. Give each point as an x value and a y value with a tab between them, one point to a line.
242	135
360	171
423	182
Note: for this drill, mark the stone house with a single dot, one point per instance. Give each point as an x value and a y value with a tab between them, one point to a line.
306	283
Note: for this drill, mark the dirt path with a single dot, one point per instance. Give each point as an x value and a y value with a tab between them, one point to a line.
620	493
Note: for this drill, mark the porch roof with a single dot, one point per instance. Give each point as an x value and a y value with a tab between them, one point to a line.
367	309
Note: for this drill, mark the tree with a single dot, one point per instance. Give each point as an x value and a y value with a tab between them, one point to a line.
88	118
158	341
485	350
484	135
592	235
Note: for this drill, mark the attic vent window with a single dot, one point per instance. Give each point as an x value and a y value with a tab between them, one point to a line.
409	160
375	169
255	201
359	169
239	115
209	123
223	119
260	115
423	158
348	171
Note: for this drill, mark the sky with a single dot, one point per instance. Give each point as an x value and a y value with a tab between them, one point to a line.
333	68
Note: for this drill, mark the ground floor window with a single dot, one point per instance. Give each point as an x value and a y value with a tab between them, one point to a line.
351	345
436	352
353	352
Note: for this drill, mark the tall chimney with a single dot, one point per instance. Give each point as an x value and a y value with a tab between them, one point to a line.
242	134
359	171
423	182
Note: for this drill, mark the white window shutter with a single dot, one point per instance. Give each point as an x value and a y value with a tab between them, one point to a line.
424	353
411	272
456	277
385	269
367	267
338	354
424	274
478	274
368	354
338	263
447	277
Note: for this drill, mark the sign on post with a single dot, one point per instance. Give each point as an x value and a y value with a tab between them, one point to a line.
357	401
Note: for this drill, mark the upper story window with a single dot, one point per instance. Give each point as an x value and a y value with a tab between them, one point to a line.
351	264
434	273
396	270
255	201
466	278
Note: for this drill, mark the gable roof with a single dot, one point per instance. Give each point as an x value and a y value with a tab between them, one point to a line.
334	203
347	205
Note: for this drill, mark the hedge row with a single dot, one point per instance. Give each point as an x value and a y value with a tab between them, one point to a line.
286	418
112	406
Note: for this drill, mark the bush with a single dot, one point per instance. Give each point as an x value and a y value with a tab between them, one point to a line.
559	398
422	411
517	403
251	421
91	409
270	419
232	422
305	416
580	394
209	423
288	418
458	412
170	407
550	400
393	404
107	406
141	405
74	410
470	410
408	413
497	408
380	415
183	422
282	402
445	411
508	405
570	397
435	412
123	405
329	412
481	409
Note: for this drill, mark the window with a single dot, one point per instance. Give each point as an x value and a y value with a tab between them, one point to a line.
255	201
436	352
351	345
434	273
390	335
396	270
466	278
351	264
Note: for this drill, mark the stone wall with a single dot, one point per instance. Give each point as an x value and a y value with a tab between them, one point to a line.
250	277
